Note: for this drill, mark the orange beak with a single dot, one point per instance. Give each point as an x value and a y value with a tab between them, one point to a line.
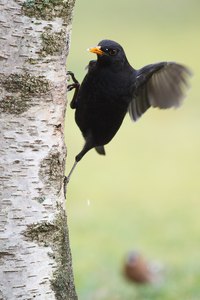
96	50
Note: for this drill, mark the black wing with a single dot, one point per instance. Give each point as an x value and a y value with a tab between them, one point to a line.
159	85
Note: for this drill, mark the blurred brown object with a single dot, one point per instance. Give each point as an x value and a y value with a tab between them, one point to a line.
138	270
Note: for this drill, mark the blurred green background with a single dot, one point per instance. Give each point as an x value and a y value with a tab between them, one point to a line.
145	193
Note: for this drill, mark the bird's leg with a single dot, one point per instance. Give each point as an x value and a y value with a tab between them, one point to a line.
75	85
67	178
78	157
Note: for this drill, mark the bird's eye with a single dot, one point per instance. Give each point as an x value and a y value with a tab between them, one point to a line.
112	52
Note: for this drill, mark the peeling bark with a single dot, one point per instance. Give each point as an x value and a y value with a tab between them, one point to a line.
35	258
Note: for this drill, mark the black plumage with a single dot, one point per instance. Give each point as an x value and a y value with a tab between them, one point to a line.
112	87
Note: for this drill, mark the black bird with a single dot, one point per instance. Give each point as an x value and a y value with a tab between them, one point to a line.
112	87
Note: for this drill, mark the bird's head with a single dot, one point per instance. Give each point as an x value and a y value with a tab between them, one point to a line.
109	53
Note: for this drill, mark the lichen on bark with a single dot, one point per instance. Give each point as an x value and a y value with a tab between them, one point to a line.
49	9
53	43
52	170
25	84
55	235
19	89
14	104
58	282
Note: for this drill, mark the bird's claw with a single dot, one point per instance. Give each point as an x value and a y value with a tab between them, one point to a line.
71	74
65	182
75	84
70	87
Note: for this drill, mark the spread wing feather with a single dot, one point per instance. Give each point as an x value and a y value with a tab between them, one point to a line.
160	85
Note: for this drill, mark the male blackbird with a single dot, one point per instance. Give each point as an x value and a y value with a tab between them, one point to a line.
112	87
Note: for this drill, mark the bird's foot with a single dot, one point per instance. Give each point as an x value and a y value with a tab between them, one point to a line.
75	85
71	74
72	86
65	183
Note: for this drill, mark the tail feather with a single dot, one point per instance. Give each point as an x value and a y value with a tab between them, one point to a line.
100	150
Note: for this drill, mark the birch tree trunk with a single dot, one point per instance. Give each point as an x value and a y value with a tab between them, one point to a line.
35	258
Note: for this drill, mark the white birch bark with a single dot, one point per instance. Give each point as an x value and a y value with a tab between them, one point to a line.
35	259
